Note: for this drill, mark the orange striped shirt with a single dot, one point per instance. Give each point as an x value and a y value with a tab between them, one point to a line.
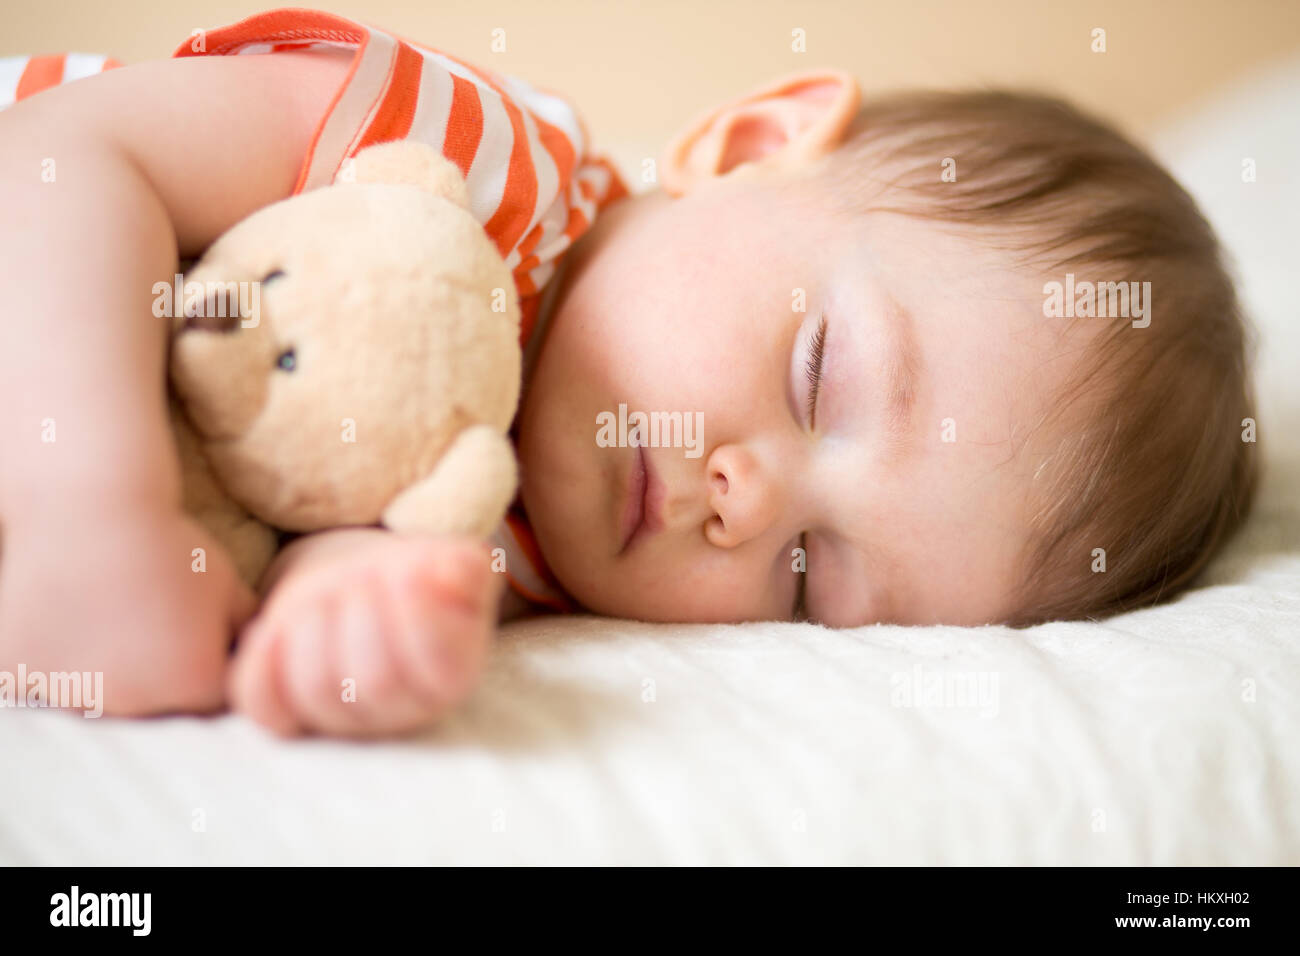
532	182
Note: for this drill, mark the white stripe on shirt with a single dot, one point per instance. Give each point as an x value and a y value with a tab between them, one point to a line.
11	74
77	66
433	108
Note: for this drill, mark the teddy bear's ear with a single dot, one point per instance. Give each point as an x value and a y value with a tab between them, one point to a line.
407	163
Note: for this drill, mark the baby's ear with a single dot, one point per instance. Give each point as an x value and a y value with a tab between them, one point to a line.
408	163
784	124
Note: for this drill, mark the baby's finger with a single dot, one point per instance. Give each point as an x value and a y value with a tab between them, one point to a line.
255	682
459	644
310	668
457	569
422	623
368	655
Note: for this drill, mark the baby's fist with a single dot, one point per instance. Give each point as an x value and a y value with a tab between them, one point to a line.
382	639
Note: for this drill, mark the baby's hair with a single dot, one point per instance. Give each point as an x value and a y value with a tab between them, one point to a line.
1154	466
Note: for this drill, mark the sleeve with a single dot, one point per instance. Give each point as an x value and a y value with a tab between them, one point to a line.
24	76
523	152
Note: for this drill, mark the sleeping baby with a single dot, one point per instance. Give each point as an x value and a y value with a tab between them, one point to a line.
958	358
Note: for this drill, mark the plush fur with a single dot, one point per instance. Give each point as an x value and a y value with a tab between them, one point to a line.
380	375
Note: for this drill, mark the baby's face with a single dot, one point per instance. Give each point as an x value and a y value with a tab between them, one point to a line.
905	481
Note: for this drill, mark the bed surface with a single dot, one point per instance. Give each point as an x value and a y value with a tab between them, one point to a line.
1165	736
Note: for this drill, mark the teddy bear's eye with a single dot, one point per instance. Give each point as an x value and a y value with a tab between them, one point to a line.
287	361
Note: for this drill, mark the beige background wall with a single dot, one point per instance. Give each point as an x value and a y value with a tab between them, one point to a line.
636	69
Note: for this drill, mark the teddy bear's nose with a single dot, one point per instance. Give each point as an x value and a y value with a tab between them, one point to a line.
210	321
222	309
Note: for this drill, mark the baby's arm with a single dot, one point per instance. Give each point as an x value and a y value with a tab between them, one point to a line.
365	632
139	163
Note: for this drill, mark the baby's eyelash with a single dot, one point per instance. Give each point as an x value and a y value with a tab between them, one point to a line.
813	370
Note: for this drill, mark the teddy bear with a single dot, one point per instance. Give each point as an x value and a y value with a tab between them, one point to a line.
370	376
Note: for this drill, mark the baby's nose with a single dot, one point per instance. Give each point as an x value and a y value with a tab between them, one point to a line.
742	495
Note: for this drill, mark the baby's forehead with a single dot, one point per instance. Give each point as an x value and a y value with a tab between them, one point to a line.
959	271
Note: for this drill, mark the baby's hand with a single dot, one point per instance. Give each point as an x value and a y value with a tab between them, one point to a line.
381	639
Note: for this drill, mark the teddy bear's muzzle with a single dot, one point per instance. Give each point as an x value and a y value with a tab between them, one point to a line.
210	323
220	372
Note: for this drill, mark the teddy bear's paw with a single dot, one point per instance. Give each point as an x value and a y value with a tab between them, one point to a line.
467	493
384	641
